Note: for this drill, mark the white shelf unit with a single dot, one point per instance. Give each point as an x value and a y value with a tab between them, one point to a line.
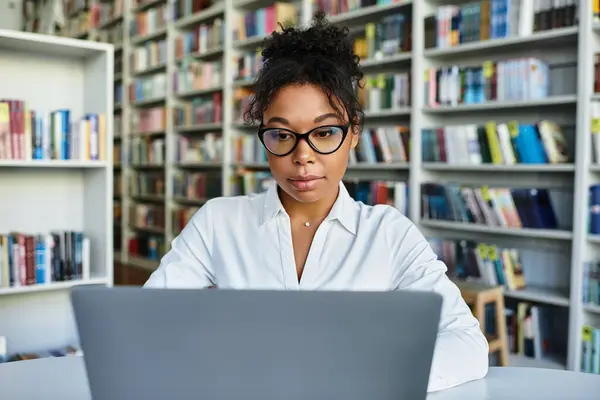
37	197
574	45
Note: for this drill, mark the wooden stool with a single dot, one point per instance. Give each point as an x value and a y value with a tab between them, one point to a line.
477	296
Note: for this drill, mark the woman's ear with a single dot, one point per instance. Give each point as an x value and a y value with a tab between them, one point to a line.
355	135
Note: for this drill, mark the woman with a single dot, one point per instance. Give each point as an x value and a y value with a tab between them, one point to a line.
306	232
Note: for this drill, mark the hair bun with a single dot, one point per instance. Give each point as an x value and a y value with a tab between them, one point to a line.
322	40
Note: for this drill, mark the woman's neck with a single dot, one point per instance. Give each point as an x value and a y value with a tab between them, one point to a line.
316	210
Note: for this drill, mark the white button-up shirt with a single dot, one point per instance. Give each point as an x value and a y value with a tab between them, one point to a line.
245	242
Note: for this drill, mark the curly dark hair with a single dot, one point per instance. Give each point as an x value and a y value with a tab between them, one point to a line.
322	55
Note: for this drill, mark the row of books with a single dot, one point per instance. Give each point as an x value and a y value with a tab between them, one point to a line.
185	8
391	36
202	39
196	185
595	130
147	151
248	149
536	208
385	144
27	134
262	22
594	207
453	25
247	66
522	79
207	149
484	263
338	7
241	101
496	143
110	11
150	217
21	356
150	87
590	349
181	216
147	183
248	182
148	120
196	75
372	192
149	21
590	286
385	92
151	247
150	55
200	110
35	259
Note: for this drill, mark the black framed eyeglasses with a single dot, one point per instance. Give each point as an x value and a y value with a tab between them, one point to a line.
322	139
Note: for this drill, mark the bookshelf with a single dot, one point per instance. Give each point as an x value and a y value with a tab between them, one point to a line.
56	183
556	259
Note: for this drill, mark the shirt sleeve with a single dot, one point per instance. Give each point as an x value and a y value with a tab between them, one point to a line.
461	350
188	263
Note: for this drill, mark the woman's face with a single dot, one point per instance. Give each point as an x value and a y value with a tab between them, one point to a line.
304	174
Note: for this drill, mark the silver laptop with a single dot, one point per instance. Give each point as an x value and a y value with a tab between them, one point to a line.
256	345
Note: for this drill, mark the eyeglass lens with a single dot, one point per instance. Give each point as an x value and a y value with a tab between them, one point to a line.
324	140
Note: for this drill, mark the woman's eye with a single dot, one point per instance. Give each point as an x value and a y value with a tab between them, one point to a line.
283	136
324	134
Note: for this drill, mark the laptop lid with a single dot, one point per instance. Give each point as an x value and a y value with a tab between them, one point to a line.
269	345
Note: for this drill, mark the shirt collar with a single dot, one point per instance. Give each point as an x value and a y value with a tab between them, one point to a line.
343	209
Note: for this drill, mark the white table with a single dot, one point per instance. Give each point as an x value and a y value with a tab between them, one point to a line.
65	379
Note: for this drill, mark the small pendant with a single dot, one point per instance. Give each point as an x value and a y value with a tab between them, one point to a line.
307	224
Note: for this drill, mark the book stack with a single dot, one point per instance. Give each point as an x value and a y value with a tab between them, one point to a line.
496	143
391	36
149	120
385	92
261	22
151	55
200	110
149	21
196	186
248	182
515	208
375	192
207	149
455	25
146	185
202	39
522	79
37	259
247	66
147	151
195	75
247	149
385	144
27	134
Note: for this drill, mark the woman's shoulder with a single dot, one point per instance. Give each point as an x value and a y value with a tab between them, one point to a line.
382	216
231	207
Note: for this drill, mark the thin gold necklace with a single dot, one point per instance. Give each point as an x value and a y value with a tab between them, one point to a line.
307	223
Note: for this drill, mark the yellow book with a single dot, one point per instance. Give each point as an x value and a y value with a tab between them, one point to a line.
492	137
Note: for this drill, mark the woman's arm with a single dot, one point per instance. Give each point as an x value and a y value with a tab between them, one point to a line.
188	263
461	350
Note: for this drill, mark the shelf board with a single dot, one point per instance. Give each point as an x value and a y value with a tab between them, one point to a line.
49	45
147	198
437	166
147	166
394	112
191	202
158	34
378	166
143	263
199	92
202	55
504	105
150	70
592	308
53	286
593	238
199	128
146	4
74	164
254	41
552	296
364	14
537	38
159	132
386	60
149	102
110	22
493	230
198	165
517	360
199	17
